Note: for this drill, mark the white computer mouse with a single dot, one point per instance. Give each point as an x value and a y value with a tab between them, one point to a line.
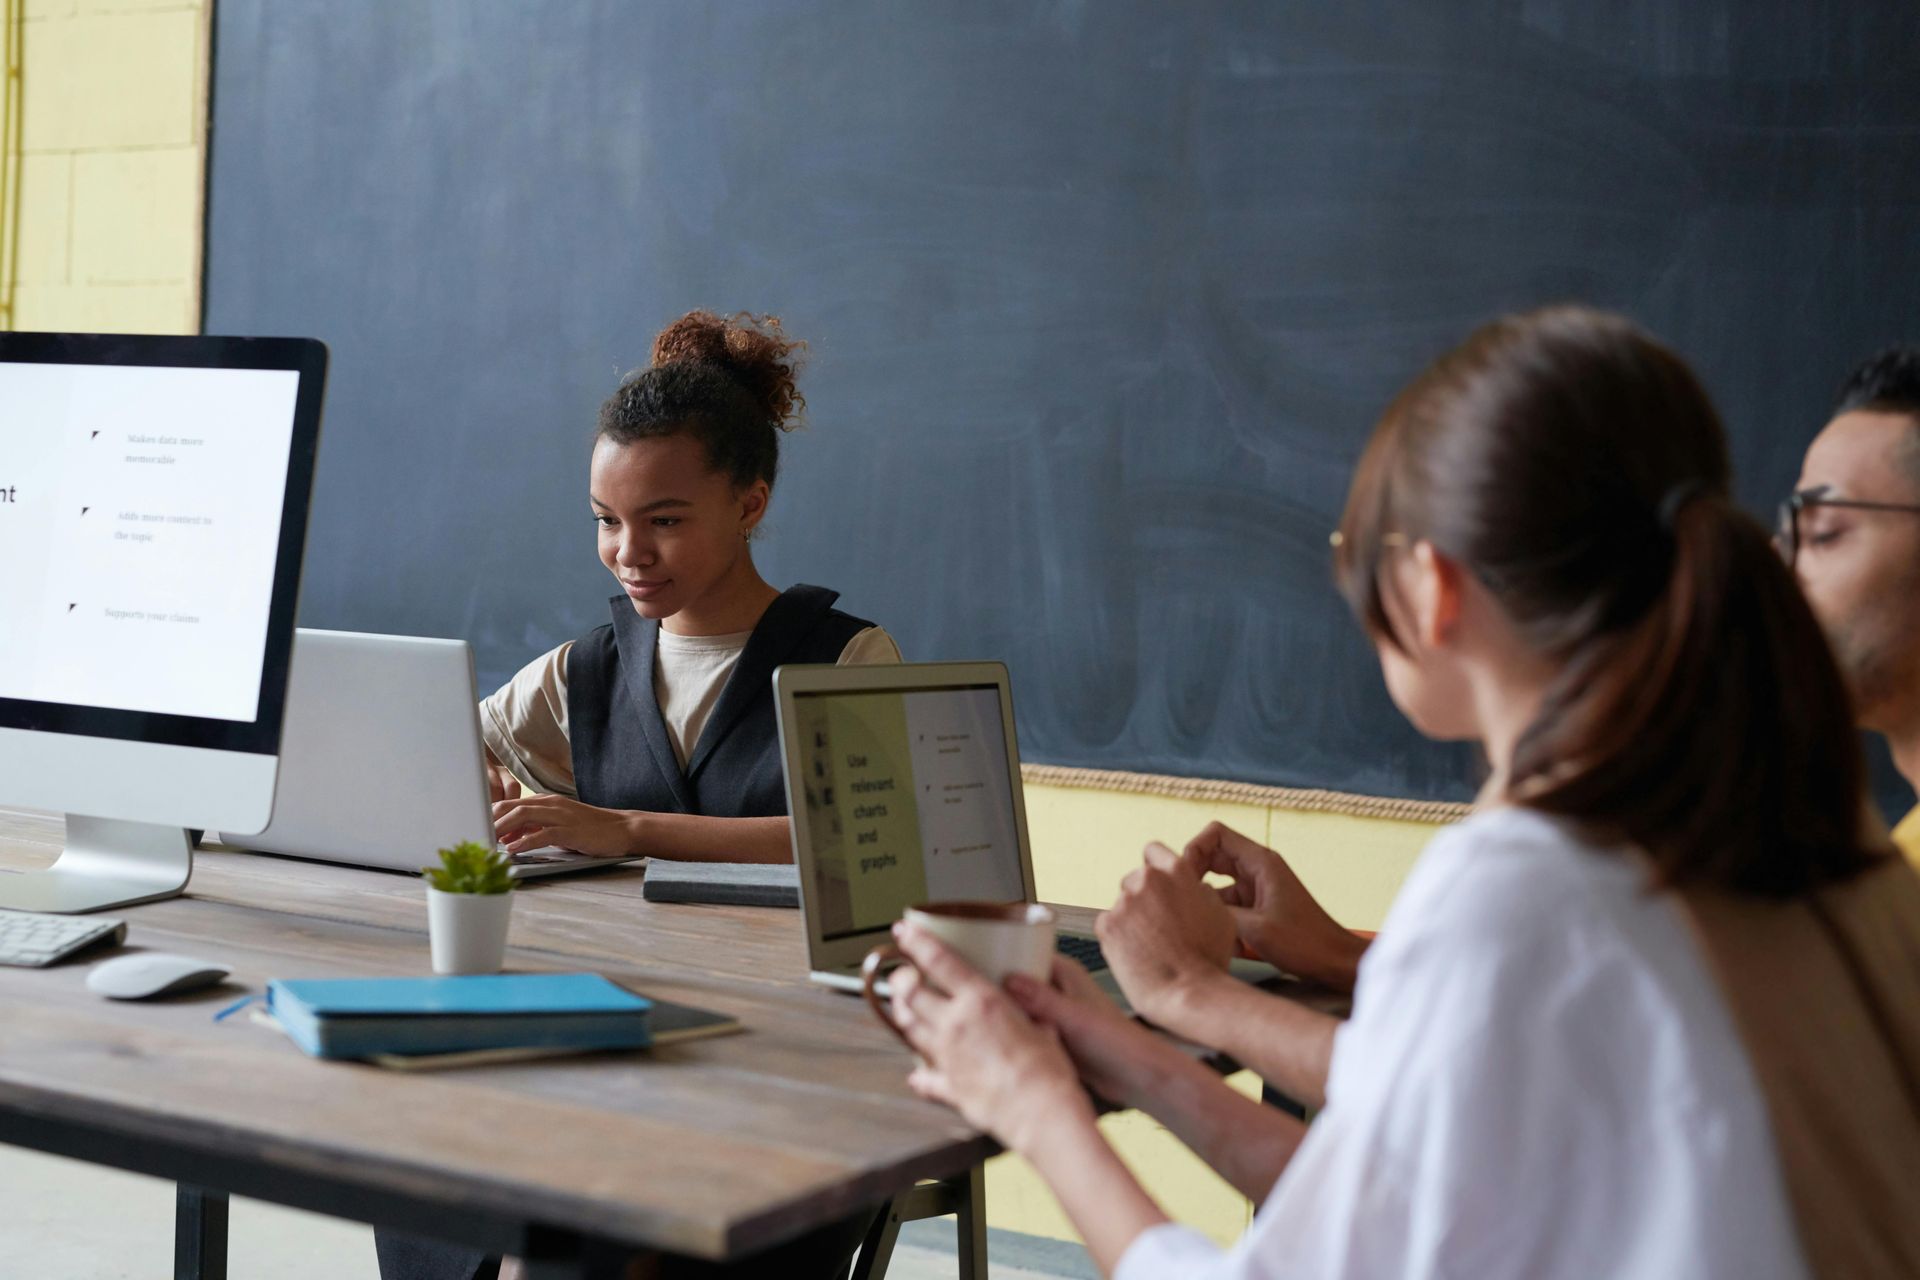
152	973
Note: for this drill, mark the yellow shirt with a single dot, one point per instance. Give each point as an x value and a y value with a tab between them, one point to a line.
1907	836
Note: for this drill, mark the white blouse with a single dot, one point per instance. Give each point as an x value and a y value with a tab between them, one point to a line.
1540	1080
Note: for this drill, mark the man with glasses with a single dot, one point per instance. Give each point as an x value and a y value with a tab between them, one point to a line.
1851	530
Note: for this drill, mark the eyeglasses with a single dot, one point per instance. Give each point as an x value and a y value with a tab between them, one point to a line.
1337	539
1787	529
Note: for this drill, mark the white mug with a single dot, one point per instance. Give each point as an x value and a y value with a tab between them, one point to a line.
997	938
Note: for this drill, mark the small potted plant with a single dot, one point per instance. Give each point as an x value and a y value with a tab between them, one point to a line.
468	896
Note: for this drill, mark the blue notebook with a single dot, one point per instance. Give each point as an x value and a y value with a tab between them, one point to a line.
360	1017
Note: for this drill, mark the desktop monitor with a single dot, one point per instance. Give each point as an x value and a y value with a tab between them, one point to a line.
153	511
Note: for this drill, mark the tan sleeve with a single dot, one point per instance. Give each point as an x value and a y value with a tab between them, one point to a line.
870	648
1906	836
524	724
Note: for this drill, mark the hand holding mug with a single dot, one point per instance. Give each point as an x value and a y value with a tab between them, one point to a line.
1117	1057
979	1054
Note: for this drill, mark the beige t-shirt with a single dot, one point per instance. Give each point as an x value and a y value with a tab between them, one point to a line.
1907	837
524	722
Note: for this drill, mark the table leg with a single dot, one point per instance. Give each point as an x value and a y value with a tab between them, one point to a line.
199	1233
970	1224
876	1251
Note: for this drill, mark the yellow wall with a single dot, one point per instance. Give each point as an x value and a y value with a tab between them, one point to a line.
111	225
1084	841
113	153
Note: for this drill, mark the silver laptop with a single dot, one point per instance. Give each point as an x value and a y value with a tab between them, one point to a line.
904	786
381	762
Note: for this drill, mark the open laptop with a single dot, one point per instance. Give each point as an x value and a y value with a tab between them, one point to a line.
904	786
381	758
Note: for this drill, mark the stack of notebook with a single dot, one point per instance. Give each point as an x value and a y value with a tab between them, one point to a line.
493	1014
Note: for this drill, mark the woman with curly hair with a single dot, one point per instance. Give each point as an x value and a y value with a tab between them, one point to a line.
654	733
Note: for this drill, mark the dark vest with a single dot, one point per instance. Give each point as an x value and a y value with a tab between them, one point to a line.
622	755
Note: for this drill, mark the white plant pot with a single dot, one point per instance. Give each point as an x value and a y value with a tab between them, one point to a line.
468	930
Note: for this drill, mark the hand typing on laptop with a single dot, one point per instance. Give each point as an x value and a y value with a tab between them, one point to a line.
501	784
534	821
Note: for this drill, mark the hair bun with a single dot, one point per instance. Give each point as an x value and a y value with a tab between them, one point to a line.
753	351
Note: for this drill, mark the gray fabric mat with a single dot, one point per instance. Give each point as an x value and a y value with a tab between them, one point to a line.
746	884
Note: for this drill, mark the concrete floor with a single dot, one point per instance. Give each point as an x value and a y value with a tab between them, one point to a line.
63	1220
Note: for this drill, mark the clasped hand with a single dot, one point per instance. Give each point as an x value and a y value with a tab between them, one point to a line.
1170	933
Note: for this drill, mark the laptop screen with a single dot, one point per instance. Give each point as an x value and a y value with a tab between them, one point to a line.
909	797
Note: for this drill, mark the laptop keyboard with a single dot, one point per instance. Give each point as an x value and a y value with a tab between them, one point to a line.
1082	948
545	857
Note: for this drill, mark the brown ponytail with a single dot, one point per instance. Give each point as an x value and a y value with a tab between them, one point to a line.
1578	469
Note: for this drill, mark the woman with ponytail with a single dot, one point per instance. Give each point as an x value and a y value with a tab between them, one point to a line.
1654	1009
654	733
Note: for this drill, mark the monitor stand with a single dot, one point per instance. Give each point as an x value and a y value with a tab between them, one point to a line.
106	863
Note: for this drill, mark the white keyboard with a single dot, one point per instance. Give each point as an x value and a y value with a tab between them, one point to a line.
32	938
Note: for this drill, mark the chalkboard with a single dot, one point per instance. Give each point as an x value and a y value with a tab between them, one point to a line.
1103	298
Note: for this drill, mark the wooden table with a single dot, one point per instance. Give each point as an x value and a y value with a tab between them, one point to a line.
713	1149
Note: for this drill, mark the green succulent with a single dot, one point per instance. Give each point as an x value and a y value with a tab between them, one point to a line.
470	868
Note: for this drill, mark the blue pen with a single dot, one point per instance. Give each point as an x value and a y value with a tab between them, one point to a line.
233	1008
